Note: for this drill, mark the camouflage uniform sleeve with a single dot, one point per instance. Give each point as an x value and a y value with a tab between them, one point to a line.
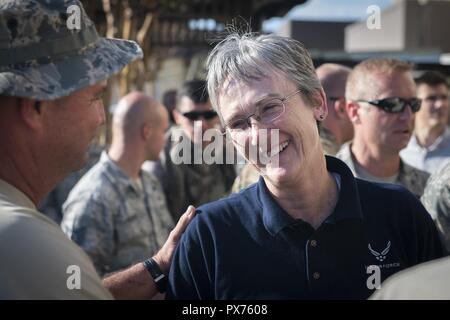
89	223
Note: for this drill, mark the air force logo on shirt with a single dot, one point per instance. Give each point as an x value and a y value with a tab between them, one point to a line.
382	255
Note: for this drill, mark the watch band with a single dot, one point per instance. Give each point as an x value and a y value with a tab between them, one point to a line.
158	276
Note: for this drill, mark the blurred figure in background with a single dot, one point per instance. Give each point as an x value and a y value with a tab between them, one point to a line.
191	183
337	128
429	147
170	102
117	213
436	199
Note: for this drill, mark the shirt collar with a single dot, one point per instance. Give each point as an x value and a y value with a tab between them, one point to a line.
13	195
117	175
413	143
348	206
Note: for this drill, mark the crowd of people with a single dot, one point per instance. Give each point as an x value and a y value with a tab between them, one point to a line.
356	177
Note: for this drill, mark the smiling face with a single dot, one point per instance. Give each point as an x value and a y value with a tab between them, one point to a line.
388	132
298	143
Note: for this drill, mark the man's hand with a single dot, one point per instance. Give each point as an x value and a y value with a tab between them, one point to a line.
164	256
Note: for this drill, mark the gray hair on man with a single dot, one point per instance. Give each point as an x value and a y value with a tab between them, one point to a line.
246	57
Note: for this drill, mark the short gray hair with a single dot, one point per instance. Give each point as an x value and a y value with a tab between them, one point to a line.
248	56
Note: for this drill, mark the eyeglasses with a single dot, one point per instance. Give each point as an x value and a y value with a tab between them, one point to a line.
266	112
195	115
395	104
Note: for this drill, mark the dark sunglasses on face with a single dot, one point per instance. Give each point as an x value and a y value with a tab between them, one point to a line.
195	115
395	104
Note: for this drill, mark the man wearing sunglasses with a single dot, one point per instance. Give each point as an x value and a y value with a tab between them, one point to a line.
429	147
381	103
191	182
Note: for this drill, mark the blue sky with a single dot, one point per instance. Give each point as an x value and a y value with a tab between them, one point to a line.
331	10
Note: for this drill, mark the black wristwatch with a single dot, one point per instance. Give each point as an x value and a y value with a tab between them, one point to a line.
158	276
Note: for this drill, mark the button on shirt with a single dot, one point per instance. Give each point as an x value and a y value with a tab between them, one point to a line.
430	159
114	220
247	247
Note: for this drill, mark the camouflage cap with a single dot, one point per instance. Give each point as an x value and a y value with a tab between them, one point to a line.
44	57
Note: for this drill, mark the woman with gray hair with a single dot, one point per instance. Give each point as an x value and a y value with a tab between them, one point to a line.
308	228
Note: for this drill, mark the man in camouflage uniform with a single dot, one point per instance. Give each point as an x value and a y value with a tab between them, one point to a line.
436	199
334	130
117	213
193	182
381	96
51	84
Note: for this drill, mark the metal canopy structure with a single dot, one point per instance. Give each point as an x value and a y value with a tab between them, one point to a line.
168	23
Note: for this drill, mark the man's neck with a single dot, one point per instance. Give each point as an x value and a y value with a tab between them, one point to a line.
375	161
304	198
129	161
34	183
426	136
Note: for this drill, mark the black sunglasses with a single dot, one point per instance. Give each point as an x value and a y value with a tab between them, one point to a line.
195	115
395	104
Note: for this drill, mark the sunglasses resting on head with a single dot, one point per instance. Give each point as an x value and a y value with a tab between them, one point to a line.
395	104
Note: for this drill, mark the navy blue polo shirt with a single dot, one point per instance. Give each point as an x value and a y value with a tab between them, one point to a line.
247	247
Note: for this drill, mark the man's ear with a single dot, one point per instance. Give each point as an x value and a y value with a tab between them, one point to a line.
339	107
146	131
31	112
353	111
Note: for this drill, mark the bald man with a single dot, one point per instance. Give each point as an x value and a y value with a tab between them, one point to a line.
117	213
336	128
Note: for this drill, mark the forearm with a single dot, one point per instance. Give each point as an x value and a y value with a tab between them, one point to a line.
132	283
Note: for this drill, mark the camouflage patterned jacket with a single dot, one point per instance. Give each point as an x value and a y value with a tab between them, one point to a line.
436	199
411	178
115	221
